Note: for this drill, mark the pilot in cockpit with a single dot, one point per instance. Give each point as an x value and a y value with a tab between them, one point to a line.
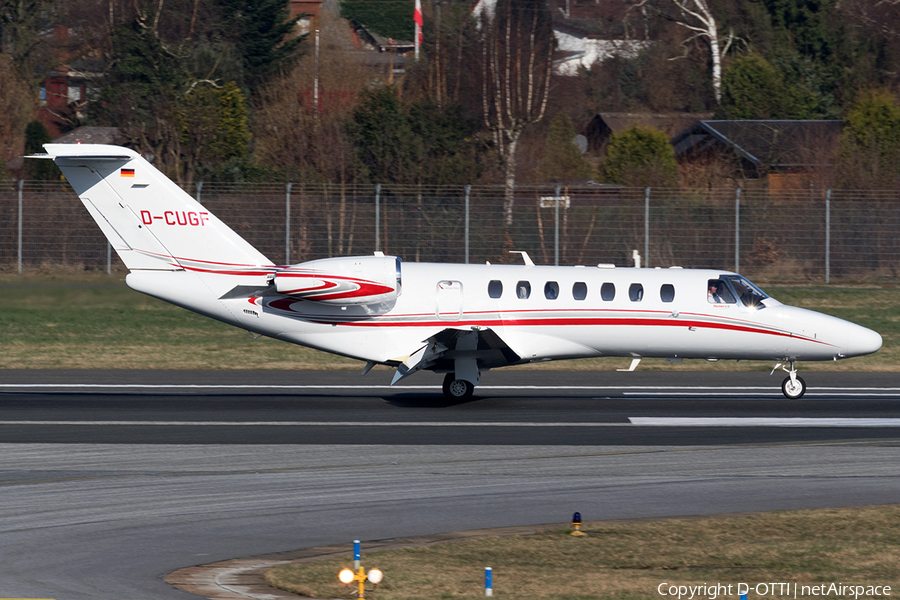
714	293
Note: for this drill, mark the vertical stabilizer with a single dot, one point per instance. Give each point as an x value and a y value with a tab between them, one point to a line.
151	222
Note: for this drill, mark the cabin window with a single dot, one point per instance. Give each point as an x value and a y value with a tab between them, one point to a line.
523	290
579	290
495	288
667	292
551	290
718	293
636	292
608	292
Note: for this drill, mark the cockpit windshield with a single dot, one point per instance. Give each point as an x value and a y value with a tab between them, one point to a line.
750	295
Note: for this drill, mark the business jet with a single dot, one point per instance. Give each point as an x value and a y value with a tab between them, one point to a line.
456	319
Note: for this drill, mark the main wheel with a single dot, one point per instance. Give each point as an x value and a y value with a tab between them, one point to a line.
793	390
457	389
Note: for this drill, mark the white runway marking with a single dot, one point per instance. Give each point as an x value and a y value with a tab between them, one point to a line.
625	389
311	424
632	422
764	422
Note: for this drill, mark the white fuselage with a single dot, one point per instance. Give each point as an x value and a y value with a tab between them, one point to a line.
564	315
456	319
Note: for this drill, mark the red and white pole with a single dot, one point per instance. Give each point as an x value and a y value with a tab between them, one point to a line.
417	17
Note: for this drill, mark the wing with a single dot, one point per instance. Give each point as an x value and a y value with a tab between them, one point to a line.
448	345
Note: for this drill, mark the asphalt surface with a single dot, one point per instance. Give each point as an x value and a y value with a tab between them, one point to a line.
111	480
509	408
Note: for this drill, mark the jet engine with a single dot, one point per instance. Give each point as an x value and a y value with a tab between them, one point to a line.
344	280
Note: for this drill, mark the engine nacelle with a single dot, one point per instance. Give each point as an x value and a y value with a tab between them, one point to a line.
345	280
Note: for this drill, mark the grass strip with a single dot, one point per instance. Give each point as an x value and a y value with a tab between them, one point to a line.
97	322
629	561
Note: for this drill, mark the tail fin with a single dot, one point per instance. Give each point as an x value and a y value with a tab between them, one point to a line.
148	220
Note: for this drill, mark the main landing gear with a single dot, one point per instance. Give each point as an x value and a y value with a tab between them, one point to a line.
457	389
793	386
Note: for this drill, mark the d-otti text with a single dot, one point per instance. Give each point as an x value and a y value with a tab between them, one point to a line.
787	589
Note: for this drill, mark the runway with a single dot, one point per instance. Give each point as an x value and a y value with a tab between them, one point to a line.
111	480
510	408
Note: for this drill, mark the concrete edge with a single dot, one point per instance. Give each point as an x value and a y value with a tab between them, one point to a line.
243	578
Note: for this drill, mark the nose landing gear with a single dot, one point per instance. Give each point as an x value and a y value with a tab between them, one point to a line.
793	386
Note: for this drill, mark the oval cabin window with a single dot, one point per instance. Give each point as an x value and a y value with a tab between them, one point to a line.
636	292
667	292
579	290
523	290
608	292
551	290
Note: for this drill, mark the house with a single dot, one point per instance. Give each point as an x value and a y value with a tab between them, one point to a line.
64	92
604	125
93	135
306	14
782	154
79	135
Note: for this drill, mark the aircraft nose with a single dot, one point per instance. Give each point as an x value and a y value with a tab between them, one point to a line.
862	341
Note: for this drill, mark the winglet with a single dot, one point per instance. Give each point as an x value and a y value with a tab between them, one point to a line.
525	257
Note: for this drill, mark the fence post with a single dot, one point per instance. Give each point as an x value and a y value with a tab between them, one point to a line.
646	227
737	230
827	236
377	217
21	186
287	224
556	230
468	191
108	258
199	187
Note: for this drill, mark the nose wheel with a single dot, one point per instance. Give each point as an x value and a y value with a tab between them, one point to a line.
793	386
457	389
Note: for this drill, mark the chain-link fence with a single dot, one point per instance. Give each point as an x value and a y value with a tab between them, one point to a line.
822	235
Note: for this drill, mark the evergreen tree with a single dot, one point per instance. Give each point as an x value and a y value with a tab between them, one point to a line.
36	135
753	88
389	18
382	136
419	144
143	83
869	147
640	156
443	149
562	157
214	126
261	30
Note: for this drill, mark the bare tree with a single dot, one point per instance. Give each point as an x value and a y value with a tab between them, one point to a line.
696	17
297	133
517	50
15	109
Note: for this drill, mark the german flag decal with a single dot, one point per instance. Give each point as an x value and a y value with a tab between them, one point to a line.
127	172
